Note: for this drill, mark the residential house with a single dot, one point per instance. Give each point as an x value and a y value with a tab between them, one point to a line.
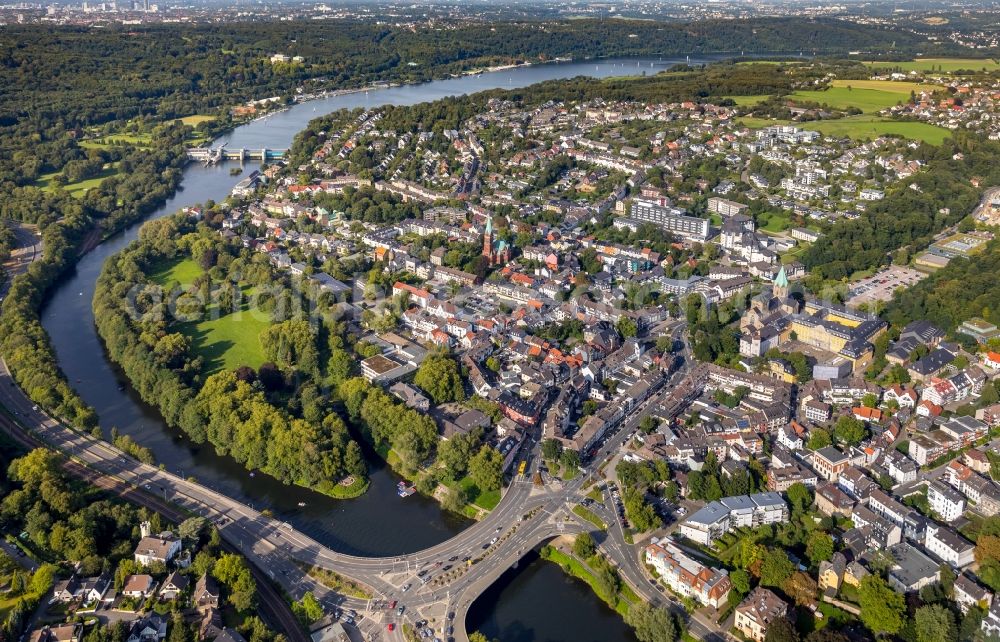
685	576
138	586
151	628
829	462
174	586
62	633
757	611
206	593
968	593
159	548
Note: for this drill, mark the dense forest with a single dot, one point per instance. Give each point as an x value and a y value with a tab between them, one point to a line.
912	212
274	418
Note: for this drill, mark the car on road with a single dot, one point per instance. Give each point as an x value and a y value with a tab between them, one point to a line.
391	627
392	604
400	610
453	558
422	573
486	545
406	587
494	540
447	567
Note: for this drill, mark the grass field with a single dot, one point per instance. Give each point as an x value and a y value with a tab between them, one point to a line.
77	189
183	272
746	101
939	64
867	100
225	342
865	127
197	119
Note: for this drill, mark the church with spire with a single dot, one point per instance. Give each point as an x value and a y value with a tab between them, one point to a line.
496	251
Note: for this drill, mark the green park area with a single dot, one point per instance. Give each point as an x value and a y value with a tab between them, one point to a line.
78	189
869	96
227	341
945	65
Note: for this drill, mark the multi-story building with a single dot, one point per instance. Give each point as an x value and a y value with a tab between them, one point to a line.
725	208
829	462
757	611
949	546
729	513
687	577
671	219
945	501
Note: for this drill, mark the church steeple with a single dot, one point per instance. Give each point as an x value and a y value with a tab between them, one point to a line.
781	284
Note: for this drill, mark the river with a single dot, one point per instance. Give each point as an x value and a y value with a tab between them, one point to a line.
379	523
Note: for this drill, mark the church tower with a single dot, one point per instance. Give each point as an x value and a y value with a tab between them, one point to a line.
780	289
488	239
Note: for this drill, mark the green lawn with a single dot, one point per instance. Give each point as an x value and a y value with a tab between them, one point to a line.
183	272
226	342
866	127
77	189
867	100
745	101
486	500
942	64
775	223
590	516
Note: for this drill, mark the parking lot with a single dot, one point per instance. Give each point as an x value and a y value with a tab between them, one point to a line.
881	285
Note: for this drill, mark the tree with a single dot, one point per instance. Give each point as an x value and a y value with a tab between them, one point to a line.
626	327
935	623
775	568
800	497
486	469
191	529
850	430
42	579
882	608
801	588
819	547
818	438
551	449
781	630
308	609
439	377
583	546
570	460
741	581
651	624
